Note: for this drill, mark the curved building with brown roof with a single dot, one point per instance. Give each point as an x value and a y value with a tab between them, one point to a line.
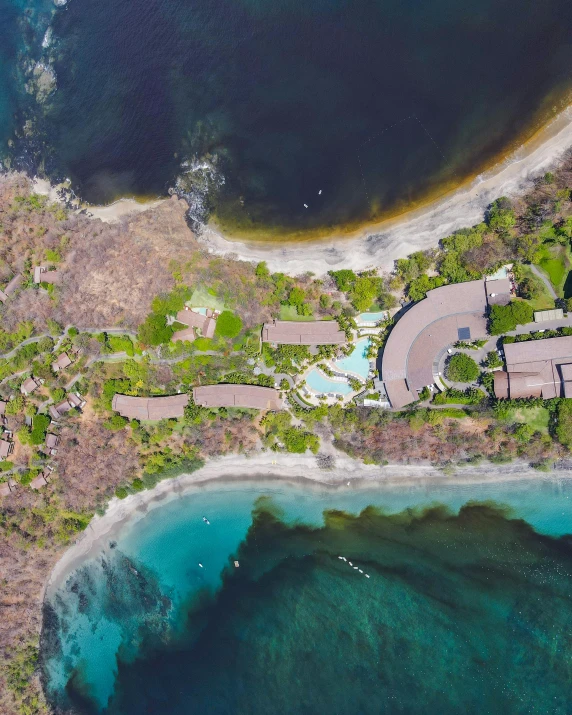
448	314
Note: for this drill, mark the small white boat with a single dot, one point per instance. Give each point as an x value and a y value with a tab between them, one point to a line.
201	566
236	564
360	570
350	563
206	520
320	192
305	206
367	575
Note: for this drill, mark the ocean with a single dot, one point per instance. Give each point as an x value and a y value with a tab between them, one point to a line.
276	119
349	599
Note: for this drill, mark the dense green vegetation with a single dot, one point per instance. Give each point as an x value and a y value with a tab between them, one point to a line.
505	318
228	325
462	368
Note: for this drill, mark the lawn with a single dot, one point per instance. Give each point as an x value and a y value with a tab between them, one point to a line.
288	312
202	298
556	263
535	417
544	301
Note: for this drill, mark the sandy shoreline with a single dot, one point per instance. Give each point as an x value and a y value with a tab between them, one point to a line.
301	469
378	246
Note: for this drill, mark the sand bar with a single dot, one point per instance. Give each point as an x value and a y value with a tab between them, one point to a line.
300	469
378	246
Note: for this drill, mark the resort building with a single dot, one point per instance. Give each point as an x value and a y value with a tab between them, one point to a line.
228	395
73	400
2	407
315	332
6	448
150	408
43	275
536	368
41	480
61	362
11	288
195	321
29	385
415	346
52	442
4	489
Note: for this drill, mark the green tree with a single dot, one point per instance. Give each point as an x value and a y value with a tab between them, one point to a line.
418	288
344	279
493	360
228	324
505	318
501	217
462	368
261	270
564	423
154	331
365	291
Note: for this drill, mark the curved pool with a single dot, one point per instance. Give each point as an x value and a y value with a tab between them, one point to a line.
318	382
357	362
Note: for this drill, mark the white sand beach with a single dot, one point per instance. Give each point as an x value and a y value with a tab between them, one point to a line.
347	473
378	246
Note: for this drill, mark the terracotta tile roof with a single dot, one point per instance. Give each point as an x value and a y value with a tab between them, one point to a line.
230	395
186	334
2	407
42	275
13	285
150	408
204	323
498	291
74	400
423	331
28	386
61	362
52	440
316	332
5	448
537	368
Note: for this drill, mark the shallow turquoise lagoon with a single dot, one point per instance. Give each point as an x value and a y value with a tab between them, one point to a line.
358	361
319	383
158	619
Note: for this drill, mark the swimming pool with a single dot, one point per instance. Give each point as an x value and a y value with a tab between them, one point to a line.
370	317
318	382
357	362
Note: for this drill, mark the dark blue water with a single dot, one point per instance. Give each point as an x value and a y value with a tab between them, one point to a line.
376	103
442	605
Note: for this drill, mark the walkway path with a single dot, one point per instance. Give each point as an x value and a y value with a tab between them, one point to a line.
539	274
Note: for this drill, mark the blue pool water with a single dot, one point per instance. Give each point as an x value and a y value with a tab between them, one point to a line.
370	317
319	383
358	361
135	625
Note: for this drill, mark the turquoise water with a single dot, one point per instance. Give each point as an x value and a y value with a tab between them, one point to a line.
320	383
370	317
141	627
358	361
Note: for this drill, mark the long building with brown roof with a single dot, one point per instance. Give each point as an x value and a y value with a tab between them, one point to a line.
536	368
150	408
448	314
306	332
230	395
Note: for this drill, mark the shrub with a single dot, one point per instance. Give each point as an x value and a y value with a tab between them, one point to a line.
505	318
121	492
493	360
564	423
115	423
462	368
228	324
154	331
344	279
40	425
